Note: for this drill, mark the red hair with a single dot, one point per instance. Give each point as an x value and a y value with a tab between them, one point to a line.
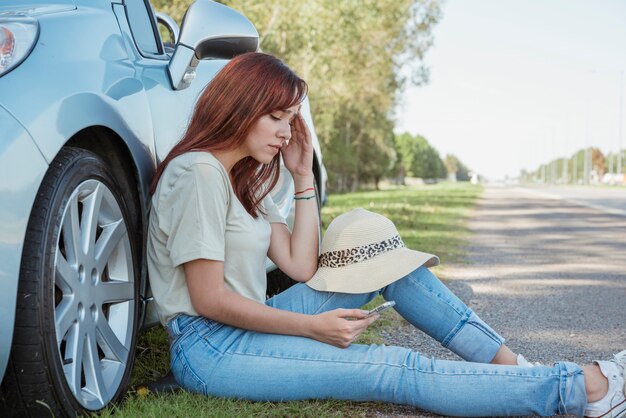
250	86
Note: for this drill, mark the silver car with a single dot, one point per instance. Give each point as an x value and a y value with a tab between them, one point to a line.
91	98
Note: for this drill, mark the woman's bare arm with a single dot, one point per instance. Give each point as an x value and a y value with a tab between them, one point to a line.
295	253
210	298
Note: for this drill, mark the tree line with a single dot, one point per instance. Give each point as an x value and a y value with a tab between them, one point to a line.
588	165
357	57
416	157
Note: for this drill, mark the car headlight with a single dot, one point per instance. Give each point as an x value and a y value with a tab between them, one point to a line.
18	34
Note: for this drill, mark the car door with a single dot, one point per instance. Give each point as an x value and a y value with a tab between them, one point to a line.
170	109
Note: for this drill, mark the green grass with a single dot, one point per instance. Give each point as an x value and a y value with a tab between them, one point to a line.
185	404
429	218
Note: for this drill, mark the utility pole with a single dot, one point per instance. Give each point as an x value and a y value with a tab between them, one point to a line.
575	169
619	130
565	160
586	166
586	152
553	161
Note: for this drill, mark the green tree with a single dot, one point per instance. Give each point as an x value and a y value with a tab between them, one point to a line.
418	158
456	168
598	161
452	164
613	159
351	53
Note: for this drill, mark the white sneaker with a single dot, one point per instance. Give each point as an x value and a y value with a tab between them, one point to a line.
613	405
522	362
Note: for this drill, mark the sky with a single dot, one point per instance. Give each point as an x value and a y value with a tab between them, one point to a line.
517	83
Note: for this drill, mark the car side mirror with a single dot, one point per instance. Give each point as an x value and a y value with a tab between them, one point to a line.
209	30
171	27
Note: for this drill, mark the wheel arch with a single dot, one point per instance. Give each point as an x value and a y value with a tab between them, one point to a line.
133	170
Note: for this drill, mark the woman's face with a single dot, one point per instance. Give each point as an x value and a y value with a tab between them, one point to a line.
269	134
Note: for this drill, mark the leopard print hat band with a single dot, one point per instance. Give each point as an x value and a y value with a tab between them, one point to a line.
341	258
362	252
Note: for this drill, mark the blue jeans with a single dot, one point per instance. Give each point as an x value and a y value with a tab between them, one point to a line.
216	359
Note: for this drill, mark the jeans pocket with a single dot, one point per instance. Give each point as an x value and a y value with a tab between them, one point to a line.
184	374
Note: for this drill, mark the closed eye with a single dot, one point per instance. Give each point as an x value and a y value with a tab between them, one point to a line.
290	121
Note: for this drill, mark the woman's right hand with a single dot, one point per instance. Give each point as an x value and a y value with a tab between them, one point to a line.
341	327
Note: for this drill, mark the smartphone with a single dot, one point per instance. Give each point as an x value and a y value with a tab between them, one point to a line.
381	308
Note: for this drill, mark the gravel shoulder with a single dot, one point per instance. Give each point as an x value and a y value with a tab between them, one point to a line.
547	274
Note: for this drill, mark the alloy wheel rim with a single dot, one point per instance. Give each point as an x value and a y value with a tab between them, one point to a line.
94	294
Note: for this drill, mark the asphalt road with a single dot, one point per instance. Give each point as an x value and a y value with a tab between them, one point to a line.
604	199
546	273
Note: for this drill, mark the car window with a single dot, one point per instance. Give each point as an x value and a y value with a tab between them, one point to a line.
142	24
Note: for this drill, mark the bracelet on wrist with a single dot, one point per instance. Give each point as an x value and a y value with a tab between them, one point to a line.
303	197
303	191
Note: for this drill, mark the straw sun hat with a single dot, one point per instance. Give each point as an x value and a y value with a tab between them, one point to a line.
362	252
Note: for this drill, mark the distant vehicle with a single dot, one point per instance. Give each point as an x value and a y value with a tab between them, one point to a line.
91	98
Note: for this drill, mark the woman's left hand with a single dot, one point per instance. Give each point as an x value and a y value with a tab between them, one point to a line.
298	153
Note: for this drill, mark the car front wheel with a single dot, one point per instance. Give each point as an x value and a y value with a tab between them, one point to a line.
77	302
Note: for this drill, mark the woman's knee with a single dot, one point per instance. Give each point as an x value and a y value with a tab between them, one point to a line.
473	340
422	277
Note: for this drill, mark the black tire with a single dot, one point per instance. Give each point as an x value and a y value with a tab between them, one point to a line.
78	300
277	281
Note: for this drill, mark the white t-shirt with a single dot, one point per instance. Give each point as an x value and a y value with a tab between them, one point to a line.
196	214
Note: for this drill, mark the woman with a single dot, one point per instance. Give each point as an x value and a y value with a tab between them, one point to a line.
213	224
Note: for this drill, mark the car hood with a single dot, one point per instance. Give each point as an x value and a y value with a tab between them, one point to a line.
36	8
